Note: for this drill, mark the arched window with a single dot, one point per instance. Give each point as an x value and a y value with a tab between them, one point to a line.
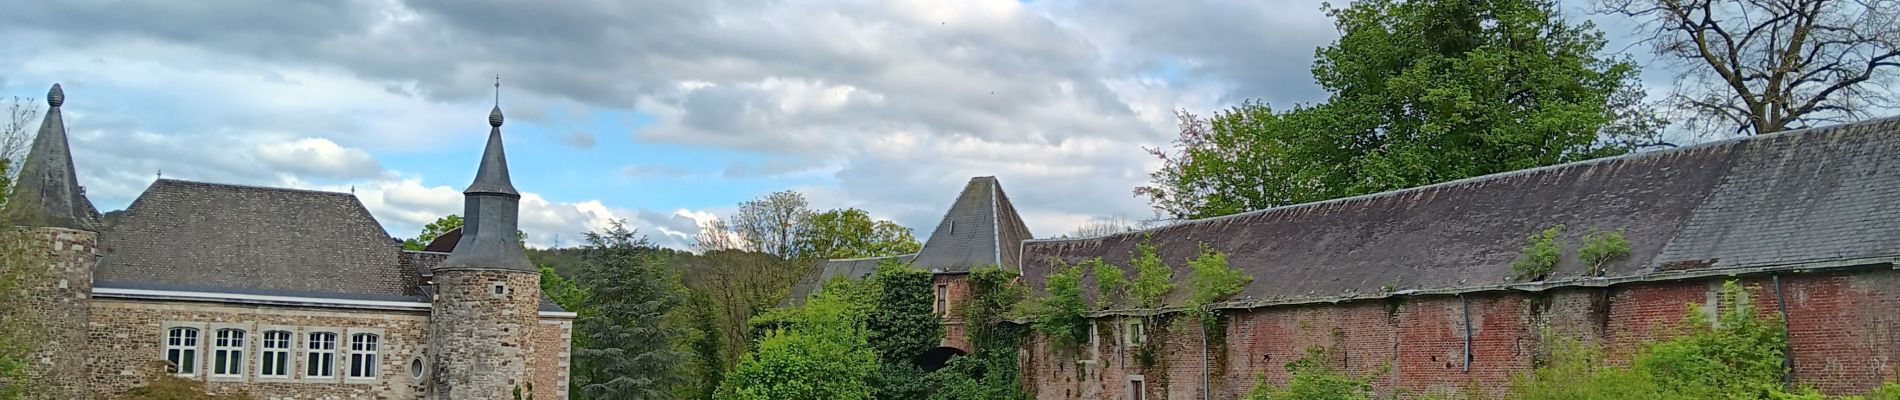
181	350
227	353
322	351
363	355
275	359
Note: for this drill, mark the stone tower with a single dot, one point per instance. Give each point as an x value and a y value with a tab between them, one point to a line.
486	292
49	202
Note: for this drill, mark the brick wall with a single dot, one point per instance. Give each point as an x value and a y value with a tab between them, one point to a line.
957	288
126	336
1843	326
549	350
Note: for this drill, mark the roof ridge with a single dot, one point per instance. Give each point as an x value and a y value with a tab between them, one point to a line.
1499	176
243	186
869	258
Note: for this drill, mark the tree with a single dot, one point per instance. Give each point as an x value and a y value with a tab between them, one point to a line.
901	326
1100	226
1422	92
773	223
818	352
851	233
432	230
1762	66
16	132
626	348
715	235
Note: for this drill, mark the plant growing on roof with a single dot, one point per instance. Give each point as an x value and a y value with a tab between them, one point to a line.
1059	313
1153	279
1212	280
1601	247
1539	256
1111	283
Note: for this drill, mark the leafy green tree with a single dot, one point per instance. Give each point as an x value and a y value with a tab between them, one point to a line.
1212	280
851	233
629	344
1153	279
1060	312
818	351
1111	283
563	291
901	326
1422	92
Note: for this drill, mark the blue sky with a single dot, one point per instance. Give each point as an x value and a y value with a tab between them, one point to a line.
665	114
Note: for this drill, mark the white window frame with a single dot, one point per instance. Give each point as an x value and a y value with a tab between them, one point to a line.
365	356
315	350
227	352
1134	333
942	303
281	352
182	345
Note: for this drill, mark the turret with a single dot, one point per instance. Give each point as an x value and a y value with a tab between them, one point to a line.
49	203
486	292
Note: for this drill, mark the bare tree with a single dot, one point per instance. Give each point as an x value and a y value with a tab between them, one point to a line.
16	132
1761	66
772	223
1100	226
715	235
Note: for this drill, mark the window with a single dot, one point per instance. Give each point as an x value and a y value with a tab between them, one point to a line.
181	350
227	353
275	361
499	290
321	348
415	367
363	355
943	299
1134	335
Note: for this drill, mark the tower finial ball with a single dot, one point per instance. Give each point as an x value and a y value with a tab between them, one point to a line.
494	117
55	96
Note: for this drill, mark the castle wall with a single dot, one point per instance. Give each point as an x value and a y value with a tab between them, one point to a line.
549	350
480	336
955	334
1843	328
127	337
57	303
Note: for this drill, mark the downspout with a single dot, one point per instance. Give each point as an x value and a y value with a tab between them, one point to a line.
1465	302
1205	390
1787	354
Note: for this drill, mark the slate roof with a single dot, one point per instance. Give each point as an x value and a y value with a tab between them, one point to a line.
1815	197
980	228
49	189
246	239
853	268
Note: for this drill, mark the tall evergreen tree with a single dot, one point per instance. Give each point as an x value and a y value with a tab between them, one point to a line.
629	347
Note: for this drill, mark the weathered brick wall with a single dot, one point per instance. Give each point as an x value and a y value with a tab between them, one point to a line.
57	303
1843	326
954	333
126	336
549	350
479	337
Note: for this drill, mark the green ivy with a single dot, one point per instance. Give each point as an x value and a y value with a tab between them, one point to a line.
990	371
1601	247
1539	256
1316	376
816	351
901	326
1111	283
1153	279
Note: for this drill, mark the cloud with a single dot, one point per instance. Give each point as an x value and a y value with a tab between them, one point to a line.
579	139
319	157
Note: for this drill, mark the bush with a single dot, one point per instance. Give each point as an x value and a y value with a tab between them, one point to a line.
1153	279
1110	282
1601	247
1539	256
1212	280
1315	376
1059	314
819	351
161	385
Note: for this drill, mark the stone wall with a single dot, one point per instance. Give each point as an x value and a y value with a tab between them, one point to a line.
57	303
127	337
480	336
1844	332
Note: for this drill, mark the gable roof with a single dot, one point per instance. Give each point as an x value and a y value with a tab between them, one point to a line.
980	228
852	268
1798	198
218	237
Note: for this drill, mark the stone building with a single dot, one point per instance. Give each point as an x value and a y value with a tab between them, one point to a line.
981	228
1415	286
283	293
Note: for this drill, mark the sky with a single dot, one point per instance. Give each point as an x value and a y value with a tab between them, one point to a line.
660	113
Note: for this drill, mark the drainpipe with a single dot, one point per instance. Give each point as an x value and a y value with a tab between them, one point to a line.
1787	355
1205	391
1466	303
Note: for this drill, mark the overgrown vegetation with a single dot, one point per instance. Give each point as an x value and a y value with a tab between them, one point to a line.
1153	279
161	385
1599	247
1539	256
1212	280
816	351
1315	376
1111	283
901	326
1060	314
989	372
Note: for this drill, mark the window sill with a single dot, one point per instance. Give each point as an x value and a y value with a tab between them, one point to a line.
227	378
360	381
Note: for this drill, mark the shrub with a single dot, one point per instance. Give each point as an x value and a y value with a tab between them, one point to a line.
816	351
1539	256
1315	376
1153	279
1059	314
1601	247
1110	282
1212	280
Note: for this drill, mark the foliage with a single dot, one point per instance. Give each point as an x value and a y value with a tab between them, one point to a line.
164	386
901	326
22	261
990	371
737	286
1422	92
1601	247
629	344
1060	313
851	233
440	227
1756	67
1315	376
1153	279
1212	280
1111	283
705	344
563	291
524	393
1539	256
821	353
773	223
1739	357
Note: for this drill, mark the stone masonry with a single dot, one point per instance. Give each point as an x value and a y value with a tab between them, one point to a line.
480	337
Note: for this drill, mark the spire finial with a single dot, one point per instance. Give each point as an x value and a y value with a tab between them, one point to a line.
55	96
494	115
